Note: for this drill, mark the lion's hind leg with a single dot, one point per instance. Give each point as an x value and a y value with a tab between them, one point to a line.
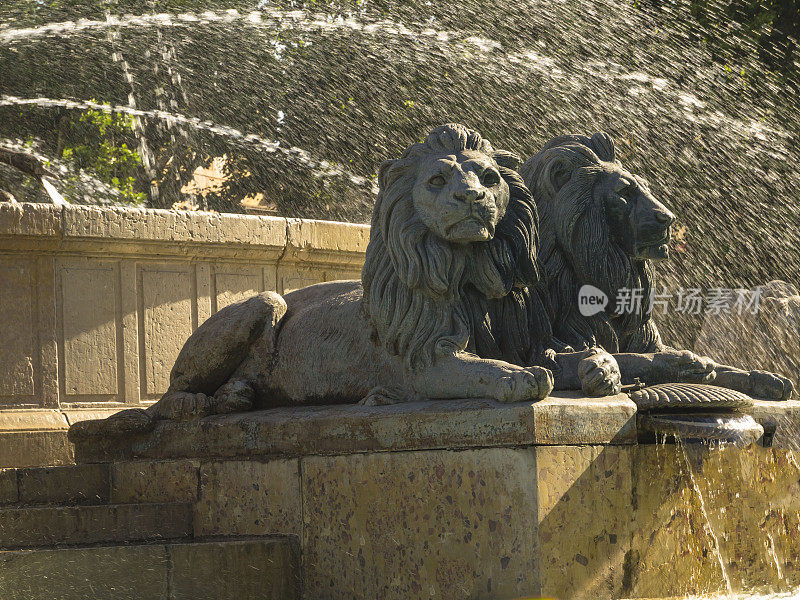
203	380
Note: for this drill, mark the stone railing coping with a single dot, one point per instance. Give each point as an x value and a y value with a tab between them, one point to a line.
565	418
59	226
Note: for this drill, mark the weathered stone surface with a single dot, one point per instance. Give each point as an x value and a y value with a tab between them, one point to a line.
671	549
107	573
752	504
74	415
421	524
571	418
238	569
233	282
30	220
235	570
563	418
155	481
18	350
78	484
37	437
337	246
90	360
35	448
166	317
715	518
9	492
325	236
584	495
138	225
781	422
12	420
248	497
43	526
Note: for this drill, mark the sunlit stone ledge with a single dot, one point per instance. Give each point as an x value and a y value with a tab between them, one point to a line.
48	227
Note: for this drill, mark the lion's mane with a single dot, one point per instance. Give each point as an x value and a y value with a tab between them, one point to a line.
428	297
577	247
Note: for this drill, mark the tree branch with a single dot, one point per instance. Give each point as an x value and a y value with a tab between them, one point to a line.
27	163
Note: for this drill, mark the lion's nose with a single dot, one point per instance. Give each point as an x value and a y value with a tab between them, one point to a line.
470	195
664	216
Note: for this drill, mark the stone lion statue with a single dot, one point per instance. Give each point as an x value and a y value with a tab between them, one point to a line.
450	306
602	227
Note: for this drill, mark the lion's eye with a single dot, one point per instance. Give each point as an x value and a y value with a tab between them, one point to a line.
491	178
437	181
623	186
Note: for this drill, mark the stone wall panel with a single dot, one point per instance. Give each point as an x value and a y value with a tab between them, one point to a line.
89	293
167	317
18	348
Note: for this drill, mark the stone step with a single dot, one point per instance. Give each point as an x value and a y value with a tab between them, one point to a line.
41	526
222	570
68	484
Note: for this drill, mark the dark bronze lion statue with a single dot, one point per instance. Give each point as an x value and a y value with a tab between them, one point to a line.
601	228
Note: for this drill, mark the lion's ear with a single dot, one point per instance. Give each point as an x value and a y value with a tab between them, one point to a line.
558	173
603	146
383	170
506	159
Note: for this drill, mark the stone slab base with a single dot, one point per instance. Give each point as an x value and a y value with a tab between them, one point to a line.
565	521
223	570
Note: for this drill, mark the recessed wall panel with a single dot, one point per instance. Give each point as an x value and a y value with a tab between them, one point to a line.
234	284
19	329
166	300
89	328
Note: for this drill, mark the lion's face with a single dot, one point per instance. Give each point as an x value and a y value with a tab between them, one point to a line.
638	223
460	197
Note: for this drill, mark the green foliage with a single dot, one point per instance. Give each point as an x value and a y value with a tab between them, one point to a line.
104	151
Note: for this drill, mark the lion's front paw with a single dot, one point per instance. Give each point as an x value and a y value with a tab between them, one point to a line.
179	406
683	366
386	395
771	385
599	373
532	383
234	396
761	384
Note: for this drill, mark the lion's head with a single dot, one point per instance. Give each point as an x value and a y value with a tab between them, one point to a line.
451	264
600	226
